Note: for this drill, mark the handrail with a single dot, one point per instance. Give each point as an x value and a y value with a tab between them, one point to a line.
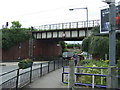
19	77
85	74
89	67
68	25
8	72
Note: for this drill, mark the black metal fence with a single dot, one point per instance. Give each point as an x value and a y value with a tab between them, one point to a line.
20	77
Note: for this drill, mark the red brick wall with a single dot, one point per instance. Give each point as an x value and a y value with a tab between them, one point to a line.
40	49
15	52
46	48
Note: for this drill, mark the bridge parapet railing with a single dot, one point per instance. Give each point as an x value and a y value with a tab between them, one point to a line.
69	25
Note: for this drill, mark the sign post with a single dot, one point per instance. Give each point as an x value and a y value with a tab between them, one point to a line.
112	74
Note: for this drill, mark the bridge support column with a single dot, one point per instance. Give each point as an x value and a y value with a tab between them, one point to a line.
46	48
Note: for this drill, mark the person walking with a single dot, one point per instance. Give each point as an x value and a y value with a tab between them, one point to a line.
75	57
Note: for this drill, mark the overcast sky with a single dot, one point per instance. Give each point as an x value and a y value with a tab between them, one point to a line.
38	12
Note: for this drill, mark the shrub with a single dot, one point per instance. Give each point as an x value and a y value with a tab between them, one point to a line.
92	63
26	63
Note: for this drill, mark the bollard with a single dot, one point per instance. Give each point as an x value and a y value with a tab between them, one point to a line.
71	77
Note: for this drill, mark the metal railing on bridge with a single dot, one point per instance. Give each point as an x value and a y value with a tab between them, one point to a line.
69	25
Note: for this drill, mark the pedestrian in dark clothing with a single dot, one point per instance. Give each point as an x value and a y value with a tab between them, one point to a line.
75	57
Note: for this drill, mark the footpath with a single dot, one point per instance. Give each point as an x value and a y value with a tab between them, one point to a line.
50	80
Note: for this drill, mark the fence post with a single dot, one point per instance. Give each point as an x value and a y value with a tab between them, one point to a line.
63	75
58	63
101	76
30	74
76	24
62	62
54	64
93	81
41	70
48	66
17	79
63	69
71	78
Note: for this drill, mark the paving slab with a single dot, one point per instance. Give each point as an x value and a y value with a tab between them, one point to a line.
51	80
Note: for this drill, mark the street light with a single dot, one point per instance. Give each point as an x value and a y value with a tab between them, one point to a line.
86	16
112	33
112	80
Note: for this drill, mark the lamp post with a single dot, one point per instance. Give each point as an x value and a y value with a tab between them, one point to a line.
86	16
112	81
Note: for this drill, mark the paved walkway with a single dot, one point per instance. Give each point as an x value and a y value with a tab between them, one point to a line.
50	80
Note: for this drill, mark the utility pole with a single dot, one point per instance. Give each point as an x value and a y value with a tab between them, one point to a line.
112	81
112	72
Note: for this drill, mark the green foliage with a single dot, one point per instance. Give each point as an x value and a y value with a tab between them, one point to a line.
92	63
11	37
86	44
62	43
26	63
96	45
14	35
15	25
99	46
118	49
95	30
73	45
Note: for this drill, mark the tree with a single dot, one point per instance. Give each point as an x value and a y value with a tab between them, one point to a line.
15	25
95	30
99	46
86	44
62	43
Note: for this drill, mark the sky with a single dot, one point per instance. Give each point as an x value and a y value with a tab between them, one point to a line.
40	12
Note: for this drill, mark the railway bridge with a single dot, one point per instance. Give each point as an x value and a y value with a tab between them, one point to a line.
47	37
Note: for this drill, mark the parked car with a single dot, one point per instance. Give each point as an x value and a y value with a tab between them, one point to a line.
67	55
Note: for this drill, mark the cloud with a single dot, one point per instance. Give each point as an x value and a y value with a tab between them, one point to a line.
37	12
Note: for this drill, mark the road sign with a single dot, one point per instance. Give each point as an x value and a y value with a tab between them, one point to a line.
105	24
